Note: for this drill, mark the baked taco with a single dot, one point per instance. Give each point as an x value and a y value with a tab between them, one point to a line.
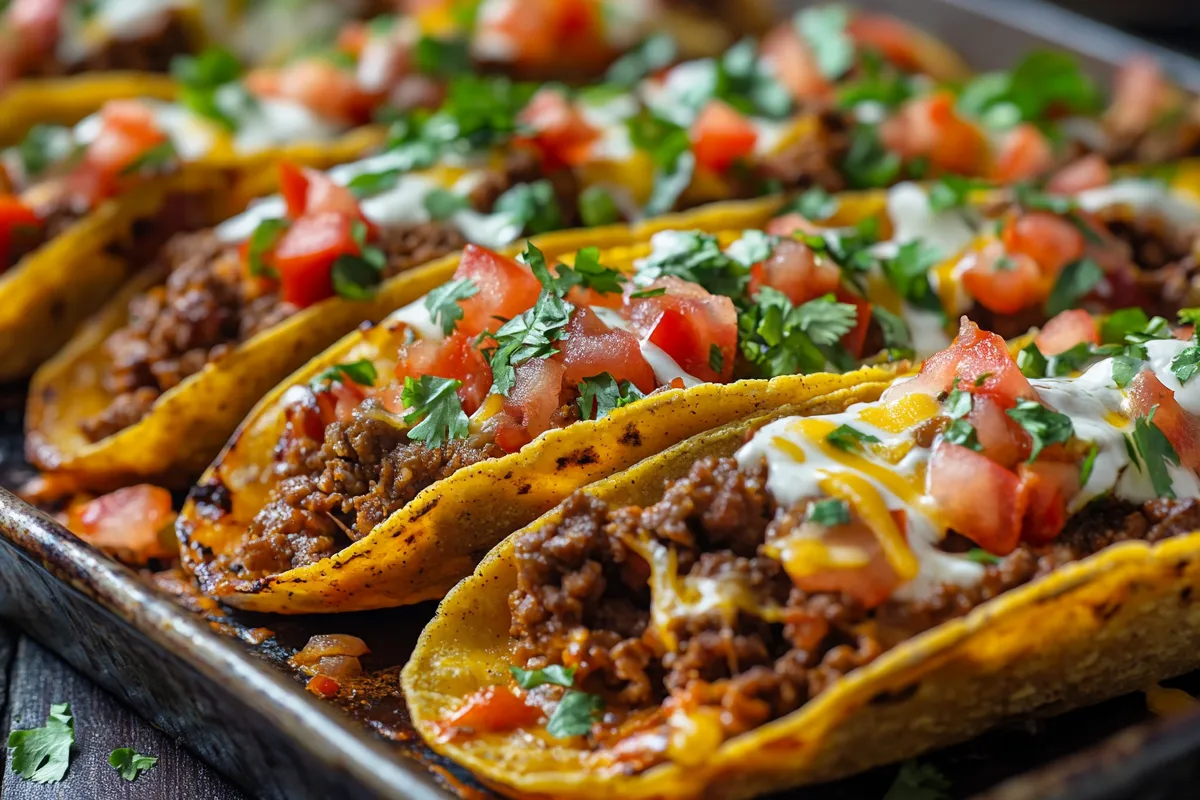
293	517
808	594
504	145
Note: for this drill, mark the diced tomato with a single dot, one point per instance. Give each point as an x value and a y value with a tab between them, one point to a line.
492	709
929	127
1088	172
687	323
456	357
534	398
322	686
976	497
293	187
338	401
14	215
543	32
794	269
1050	240
980	363
1184	333
1003	282
889	36
871	584
720	136
506	289
791	223
1024	154
308	191
318	84
591	347
793	63
1048	486
353	37
306	252
1139	90
560	131
856	339
1001	438
128	521
1144	393
1066	330
127	130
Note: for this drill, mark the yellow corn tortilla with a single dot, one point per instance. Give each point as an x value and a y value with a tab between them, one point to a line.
449	526
1110	624
65	101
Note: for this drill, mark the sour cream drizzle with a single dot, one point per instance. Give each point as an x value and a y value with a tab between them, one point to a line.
799	462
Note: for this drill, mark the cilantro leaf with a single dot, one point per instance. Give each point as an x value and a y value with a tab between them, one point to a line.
845	437
531	334
953	191
1153	452
443	58
868	164
782	339
153	159
908	273
434	401
261	242
828	513
602	393
597	207
754	247
649	56
443	302
479	111
589	273
917	781
748	85
1186	364
44	146
669	184
1116	326
1124	368
1075	281
962	433
823	29
1043	425
42	754
201	76
441	204
533	678
1031	362
716	359
575	714
695	257
896	336
355	277
1188	316
361	372
814	204
533	205
1042	82
981	556
959	404
1089	464
129	763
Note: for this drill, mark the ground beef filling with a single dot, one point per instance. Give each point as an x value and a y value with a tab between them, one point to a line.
582	590
150	53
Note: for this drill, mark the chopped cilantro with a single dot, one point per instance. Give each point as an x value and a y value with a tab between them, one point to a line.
42	754
443	58
153	159
1188	316
908	272
823	29
533	205
695	257
670	151
531	334
1075	281
746	84
828	513
1154	451
433	401
716	359
1186	364
1032	363
442	204
443	302
373	183
588	272
1046	427
876	81
959	403
962	433
44	146
597	207
814	204
781	339
602	393
130	763
845	437
868	164
1089	464
1124	368
953	191
896	336
1117	325
261	242
479	111
575	714
754	247
361	372
656	292
355	277
981	556
649	56
669	184
201	76
533	678
1043	82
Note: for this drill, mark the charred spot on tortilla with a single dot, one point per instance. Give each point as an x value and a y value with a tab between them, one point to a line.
578	458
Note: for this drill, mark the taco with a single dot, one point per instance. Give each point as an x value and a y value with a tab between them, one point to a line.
290	501
820	590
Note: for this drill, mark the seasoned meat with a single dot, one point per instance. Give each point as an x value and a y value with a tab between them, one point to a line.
582	596
151	52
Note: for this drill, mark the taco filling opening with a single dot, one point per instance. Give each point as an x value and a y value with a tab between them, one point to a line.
576	342
651	634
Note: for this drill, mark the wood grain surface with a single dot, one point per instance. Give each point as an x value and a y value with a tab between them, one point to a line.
31	679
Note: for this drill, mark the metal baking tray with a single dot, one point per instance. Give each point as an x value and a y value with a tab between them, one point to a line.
222	685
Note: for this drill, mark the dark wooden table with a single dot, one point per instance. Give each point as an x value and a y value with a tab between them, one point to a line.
32	678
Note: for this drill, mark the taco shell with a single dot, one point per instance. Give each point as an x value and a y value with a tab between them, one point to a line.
65	101
1110	624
